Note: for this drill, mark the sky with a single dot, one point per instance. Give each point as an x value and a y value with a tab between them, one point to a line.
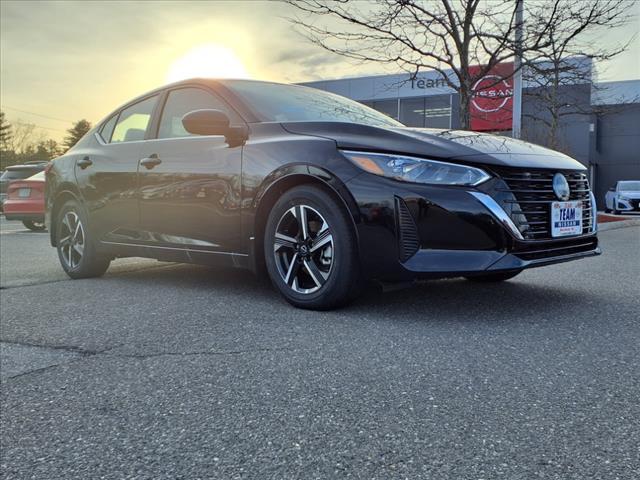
70	60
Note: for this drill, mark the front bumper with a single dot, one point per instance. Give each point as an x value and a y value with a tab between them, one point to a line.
408	231
443	263
627	205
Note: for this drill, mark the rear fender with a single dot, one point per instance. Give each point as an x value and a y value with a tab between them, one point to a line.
67	191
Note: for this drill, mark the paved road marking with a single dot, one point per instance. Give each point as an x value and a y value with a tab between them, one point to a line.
12	232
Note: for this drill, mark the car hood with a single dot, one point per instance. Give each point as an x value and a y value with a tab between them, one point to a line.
471	147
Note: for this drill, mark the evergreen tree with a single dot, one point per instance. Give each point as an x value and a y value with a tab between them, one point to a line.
79	129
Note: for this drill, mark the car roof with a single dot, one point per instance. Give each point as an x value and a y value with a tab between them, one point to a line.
202	81
31	166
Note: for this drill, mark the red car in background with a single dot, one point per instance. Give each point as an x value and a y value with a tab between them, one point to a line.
25	202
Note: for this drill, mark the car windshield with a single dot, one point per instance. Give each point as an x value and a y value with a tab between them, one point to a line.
629	186
274	102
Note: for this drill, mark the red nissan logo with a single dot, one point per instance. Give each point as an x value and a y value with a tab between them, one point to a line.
491	93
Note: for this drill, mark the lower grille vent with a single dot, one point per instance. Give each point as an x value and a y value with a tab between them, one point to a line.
557	249
408	241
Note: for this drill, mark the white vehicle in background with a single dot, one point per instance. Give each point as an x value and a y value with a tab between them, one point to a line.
623	197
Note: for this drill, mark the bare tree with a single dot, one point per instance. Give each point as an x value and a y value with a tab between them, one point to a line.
5	133
48	149
441	35
25	137
560	74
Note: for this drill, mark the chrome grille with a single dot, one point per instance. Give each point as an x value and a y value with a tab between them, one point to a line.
527	196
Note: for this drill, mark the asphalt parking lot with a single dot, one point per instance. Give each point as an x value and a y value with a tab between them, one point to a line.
178	371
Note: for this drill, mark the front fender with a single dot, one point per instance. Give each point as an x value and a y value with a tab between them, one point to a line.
277	182
286	173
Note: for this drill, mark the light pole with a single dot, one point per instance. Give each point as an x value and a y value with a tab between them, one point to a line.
517	78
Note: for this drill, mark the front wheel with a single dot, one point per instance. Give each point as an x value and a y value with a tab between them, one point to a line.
35	226
310	250
76	246
494	277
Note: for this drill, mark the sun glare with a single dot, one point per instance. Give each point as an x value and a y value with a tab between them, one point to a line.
208	60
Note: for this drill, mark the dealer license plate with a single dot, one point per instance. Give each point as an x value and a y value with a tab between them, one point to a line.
566	218
24	192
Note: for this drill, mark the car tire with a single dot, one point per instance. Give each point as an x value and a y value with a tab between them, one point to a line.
35	226
310	250
494	277
75	244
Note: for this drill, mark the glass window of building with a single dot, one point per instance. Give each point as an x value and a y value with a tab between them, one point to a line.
388	107
437	111
429	112
412	112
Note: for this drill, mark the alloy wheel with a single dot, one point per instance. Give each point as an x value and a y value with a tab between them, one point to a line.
303	249
72	239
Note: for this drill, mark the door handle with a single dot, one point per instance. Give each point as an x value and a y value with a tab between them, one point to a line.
84	163
151	161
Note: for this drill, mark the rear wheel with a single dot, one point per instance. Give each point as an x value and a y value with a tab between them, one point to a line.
494	277
310	250
33	225
76	246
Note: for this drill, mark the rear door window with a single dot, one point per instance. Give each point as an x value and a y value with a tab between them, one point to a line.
107	129
133	121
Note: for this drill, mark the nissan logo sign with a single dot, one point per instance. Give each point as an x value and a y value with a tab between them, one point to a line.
492	93
561	187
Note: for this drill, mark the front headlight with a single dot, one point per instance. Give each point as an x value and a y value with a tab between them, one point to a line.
623	198
418	170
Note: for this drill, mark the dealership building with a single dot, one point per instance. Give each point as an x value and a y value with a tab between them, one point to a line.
600	125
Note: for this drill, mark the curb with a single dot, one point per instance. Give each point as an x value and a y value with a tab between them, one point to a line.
603	227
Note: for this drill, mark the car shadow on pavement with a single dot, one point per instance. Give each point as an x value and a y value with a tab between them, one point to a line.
463	301
429	300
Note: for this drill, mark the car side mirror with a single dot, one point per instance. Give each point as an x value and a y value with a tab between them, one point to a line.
214	122
206	122
612	189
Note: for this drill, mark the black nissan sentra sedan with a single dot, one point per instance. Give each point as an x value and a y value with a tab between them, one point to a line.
322	192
